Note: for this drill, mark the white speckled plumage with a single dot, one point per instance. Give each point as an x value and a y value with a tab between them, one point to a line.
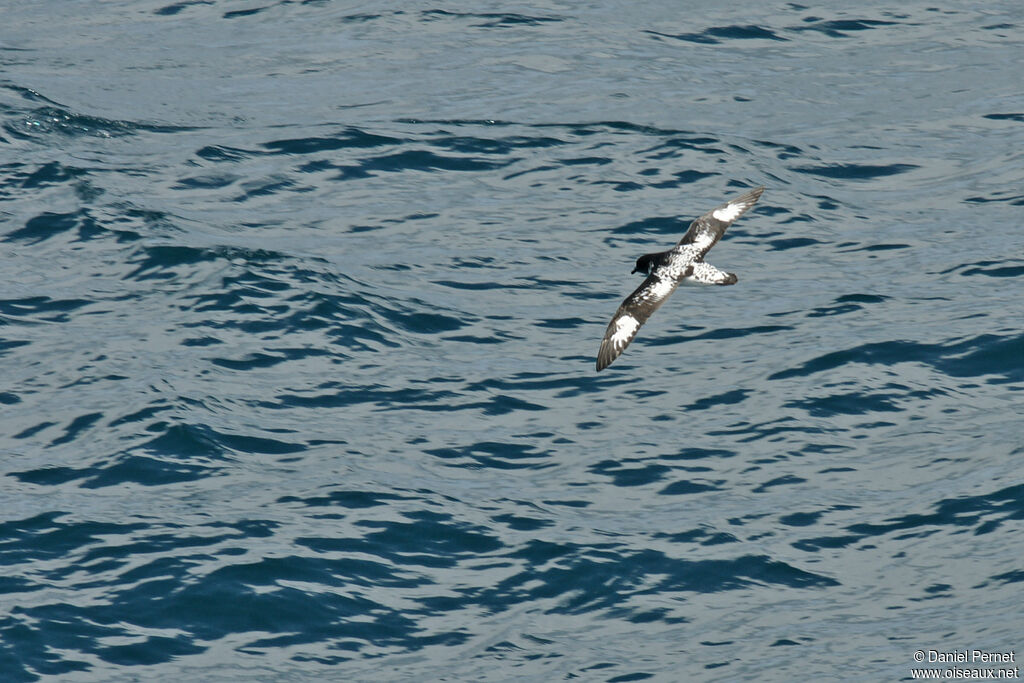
707	274
683	264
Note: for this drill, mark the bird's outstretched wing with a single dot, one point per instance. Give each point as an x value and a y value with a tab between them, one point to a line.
705	232
633	313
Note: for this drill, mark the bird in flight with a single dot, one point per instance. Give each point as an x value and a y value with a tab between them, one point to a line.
666	270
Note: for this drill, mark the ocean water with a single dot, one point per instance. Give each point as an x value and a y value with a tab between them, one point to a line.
301	301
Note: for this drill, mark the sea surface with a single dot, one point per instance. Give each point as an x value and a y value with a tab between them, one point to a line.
300	303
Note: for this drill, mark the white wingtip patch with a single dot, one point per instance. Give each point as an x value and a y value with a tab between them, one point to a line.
625	328
729	212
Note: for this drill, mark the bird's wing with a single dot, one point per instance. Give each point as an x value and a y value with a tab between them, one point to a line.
633	313
709	228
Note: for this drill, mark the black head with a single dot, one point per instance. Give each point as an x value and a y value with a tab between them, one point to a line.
644	264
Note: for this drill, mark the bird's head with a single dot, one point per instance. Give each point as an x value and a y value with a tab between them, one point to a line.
644	264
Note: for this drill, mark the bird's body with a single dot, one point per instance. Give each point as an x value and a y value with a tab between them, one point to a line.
666	270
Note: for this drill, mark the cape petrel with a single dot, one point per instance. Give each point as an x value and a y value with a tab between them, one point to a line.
666	270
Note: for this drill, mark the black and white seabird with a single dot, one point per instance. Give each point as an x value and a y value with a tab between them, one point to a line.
666	270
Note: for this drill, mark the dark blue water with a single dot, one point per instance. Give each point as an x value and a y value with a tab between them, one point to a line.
301	302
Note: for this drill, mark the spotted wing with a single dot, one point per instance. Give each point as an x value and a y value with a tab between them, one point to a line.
633	313
705	232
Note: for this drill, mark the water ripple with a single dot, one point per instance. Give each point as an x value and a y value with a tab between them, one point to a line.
298	378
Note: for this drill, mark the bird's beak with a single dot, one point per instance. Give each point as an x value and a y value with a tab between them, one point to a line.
634	271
